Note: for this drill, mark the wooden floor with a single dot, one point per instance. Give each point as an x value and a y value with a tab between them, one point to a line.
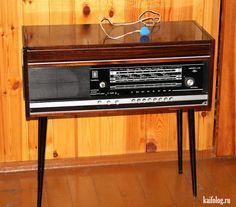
136	185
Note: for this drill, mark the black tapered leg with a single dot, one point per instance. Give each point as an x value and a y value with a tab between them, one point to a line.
180	143
192	150
42	132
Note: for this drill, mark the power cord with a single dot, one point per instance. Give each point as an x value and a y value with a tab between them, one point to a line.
144	31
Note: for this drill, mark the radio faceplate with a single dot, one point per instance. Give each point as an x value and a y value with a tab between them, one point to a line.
118	86
148	79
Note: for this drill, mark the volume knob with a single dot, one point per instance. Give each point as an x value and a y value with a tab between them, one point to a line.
189	82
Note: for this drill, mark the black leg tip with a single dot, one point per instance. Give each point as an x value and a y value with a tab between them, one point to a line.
180	172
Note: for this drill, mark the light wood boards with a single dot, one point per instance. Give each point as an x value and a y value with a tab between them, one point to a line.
13	130
226	119
77	137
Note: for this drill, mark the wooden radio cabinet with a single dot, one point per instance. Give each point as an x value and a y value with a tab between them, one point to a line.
76	69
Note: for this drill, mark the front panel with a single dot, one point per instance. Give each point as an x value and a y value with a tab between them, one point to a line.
127	86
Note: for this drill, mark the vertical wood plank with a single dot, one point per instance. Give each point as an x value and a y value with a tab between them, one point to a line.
226	117
35	12
49	140
206	119
64	136
157	130
11	84
113	135
88	11
33	139
61	12
2	34
136	134
113	9
89	136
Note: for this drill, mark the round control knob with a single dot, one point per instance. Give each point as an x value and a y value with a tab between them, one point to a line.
144	100
133	100
99	102
117	102
108	102
160	99
138	100
189	82
171	99
102	84
149	100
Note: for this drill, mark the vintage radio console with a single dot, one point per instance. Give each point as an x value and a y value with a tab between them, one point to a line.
76	69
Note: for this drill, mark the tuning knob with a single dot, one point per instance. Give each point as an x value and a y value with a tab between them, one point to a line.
189	81
102	84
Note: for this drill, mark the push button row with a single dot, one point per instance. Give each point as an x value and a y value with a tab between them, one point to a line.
134	100
152	100
108	102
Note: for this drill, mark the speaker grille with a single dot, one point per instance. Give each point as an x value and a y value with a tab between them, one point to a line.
58	83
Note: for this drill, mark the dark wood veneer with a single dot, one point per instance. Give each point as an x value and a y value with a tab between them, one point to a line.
88	42
91	36
115	53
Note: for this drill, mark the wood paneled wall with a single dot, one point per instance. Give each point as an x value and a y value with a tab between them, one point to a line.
226	119
76	137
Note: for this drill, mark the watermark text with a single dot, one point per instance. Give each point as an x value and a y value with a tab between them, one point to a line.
215	200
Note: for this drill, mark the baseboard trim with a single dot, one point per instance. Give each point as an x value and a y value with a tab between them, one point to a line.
23	166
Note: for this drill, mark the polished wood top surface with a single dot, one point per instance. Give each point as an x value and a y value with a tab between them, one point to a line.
92	36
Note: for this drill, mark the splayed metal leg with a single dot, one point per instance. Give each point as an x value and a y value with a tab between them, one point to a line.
42	132
180	143
192	150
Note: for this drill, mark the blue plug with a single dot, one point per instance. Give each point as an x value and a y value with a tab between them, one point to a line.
144	31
